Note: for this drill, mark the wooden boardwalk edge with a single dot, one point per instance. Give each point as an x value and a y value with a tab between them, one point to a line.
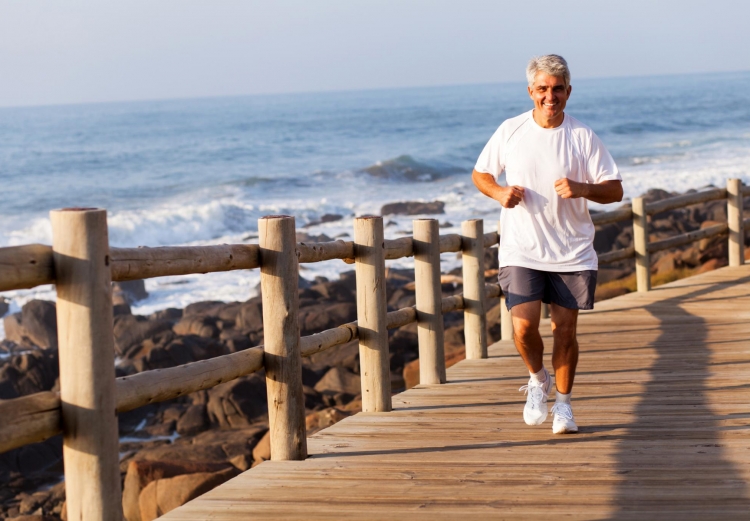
662	398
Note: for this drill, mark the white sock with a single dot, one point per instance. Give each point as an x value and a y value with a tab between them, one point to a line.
540	377
563	398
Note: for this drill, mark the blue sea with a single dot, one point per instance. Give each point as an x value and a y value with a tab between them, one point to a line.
202	171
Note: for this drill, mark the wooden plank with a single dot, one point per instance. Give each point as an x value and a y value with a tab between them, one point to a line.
685	200
686	238
660	398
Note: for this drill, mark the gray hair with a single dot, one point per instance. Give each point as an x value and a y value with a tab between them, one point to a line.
551	64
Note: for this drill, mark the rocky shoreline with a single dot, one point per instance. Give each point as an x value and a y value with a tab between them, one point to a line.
174	451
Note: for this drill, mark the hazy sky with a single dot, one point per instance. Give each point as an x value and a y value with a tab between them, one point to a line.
76	51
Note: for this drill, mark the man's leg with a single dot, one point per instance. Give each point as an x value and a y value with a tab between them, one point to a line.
531	348
565	347
564	360
526	333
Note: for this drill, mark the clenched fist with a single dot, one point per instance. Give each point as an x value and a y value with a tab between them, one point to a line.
510	196
568	189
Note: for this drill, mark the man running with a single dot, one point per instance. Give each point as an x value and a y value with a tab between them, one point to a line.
553	163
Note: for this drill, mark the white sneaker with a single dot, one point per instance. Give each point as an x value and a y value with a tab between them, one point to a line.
535	410
562	421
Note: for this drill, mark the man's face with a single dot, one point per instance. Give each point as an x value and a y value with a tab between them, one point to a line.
549	94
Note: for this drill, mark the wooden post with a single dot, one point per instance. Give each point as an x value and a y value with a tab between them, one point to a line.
640	240
734	219
475	319
369	257
506	321
429	301
80	246
279	280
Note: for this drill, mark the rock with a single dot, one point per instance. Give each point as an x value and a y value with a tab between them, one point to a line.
130	291
29	373
163	495
413	208
319	420
339	380
178	351
250	316
239	402
711	265
169	314
194	420
121	309
308	238
242	462
131	330
667	263
209	307
141	473
201	325
39	319
4	306
262	451
14	328
326	218
316	318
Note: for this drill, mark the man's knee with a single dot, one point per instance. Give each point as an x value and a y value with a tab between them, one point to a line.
525	330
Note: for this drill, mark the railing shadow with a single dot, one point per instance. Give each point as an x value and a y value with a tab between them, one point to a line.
663	468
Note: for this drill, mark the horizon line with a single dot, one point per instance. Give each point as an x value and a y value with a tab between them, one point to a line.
344	90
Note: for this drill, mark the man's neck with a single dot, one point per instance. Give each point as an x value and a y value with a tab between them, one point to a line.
548	123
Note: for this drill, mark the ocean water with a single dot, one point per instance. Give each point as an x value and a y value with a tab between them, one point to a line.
203	171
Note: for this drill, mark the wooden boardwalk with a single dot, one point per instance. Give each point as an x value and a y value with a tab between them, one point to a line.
662	398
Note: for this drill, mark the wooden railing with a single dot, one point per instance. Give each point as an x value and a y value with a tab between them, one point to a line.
82	266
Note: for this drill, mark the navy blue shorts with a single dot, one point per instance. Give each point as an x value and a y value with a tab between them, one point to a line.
572	290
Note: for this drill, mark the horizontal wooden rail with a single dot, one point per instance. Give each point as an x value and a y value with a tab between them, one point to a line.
686	200
621	214
687	238
146	263
159	385
617	255
24	267
37	416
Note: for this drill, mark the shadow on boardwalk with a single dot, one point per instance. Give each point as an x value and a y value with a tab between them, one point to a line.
672	459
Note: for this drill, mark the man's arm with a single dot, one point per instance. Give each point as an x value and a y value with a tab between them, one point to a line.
602	193
508	196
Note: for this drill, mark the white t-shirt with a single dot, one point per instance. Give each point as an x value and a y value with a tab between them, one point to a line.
546	232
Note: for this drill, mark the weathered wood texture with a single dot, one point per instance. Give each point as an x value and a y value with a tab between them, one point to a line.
660	397
617	255
36	417
686	238
735	223
475	319
369	254
87	363
28	266
279	275
430	330
640	243
621	214
685	200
